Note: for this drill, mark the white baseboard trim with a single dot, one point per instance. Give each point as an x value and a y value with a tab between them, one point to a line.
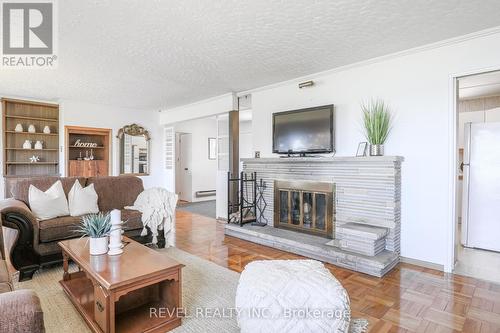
422	263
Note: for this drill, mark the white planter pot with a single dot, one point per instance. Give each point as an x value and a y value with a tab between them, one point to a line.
98	246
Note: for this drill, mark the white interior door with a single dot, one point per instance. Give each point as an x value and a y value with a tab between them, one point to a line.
185	174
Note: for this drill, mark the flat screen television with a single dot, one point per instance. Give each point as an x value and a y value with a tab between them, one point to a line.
305	131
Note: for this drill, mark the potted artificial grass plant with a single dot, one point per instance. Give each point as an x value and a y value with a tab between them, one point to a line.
377	121
97	227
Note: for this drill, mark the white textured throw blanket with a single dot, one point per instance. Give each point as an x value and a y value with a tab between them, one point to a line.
157	206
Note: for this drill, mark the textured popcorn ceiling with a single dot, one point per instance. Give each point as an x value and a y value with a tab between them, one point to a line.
151	54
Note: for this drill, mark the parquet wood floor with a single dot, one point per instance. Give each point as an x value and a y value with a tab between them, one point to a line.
408	299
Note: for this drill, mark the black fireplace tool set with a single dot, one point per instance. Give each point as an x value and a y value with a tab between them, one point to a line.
246	202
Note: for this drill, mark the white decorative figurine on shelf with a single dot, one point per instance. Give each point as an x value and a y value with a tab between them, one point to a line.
115	237
34	159
32	129
46	129
27	144
19	128
39	145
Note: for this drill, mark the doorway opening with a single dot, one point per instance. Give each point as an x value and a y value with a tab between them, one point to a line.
477	225
206	149
183	169
196	165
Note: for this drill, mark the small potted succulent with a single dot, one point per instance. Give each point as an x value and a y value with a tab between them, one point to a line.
377	121
97	227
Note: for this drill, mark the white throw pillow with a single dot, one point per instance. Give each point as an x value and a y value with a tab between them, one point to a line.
49	204
82	200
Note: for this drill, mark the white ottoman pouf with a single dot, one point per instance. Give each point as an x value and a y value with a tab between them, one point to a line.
291	296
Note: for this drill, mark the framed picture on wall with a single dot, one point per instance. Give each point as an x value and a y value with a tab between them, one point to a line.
212	148
362	149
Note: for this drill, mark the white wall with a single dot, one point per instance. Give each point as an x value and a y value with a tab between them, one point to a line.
75	113
204	171
246	139
417	85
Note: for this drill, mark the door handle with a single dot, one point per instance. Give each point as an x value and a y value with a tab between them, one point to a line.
186	169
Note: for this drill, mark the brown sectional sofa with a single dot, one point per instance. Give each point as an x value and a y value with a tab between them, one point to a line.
20	309
36	244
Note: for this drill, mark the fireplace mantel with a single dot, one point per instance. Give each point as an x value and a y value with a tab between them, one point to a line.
322	159
367	216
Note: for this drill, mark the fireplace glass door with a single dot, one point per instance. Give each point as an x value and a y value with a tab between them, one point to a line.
295	208
284	208
302	206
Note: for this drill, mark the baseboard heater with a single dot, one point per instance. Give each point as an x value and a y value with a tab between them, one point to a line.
201	194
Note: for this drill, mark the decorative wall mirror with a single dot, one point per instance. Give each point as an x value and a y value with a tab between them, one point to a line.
134	150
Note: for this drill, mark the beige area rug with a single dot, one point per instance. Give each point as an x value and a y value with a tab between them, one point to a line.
205	285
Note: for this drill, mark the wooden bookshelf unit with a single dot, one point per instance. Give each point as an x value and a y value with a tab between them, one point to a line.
16	159
78	162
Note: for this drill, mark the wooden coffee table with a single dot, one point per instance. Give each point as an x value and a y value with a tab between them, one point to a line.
137	291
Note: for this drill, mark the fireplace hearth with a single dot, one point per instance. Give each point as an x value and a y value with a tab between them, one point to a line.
304	206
